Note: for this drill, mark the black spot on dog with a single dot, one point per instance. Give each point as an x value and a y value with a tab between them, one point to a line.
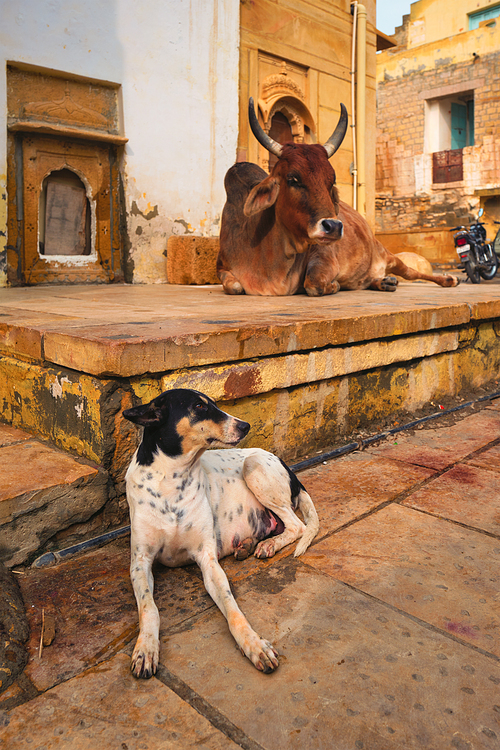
295	485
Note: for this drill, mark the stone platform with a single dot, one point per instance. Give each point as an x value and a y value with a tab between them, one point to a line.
305	372
388	627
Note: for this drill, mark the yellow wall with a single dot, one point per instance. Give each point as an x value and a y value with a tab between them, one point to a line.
427	18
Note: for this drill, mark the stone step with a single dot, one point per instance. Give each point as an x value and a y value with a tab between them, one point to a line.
43	492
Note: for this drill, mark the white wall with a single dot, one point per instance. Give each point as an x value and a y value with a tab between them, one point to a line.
177	64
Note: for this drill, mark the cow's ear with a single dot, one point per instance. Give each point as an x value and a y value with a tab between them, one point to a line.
262	196
335	197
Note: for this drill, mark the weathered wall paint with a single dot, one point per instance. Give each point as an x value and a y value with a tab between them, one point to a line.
177	65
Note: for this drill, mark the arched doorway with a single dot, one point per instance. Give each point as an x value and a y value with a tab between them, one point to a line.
281	132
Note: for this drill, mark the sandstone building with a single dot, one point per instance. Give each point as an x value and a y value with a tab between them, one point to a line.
118	122
438	125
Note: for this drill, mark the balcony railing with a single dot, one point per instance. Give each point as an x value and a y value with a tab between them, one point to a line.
447	166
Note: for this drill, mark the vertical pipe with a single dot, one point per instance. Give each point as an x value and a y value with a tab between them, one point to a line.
354	9
361	108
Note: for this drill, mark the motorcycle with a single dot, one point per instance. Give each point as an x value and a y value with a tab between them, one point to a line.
478	259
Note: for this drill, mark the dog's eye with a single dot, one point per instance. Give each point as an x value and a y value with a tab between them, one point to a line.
201	406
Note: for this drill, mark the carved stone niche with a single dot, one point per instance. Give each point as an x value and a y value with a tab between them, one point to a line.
62	181
283	91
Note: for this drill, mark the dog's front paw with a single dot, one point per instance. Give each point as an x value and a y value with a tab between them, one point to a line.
265	549
145	660
262	655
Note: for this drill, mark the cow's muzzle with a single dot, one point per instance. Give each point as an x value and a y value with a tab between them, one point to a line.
327	230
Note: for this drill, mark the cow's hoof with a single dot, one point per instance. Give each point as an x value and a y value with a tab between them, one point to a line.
389	284
321	290
233	287
450	280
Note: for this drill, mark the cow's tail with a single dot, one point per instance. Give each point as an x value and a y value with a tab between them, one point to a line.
311	521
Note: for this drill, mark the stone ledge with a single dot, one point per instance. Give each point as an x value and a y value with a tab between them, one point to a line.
192	260
242	379
42	491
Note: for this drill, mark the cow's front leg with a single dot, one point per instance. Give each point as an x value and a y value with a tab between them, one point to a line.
321	272
147	649
259	651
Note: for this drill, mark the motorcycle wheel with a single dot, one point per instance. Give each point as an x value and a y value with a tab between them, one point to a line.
490	272
472	272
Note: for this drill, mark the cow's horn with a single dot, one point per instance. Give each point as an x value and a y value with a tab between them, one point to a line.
334	141
272	146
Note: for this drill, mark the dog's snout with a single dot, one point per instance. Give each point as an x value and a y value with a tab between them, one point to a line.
243	428
332	226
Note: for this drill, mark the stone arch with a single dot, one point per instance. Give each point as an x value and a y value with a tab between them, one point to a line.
280	93
66	220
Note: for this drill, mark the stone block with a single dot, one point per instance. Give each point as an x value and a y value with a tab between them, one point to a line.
191	260
42	491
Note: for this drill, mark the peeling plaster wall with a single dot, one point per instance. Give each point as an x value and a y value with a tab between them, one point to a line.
177	64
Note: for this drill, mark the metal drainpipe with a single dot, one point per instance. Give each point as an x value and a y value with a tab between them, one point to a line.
361	108
354	9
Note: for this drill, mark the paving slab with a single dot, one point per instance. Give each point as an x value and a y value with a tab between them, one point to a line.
488	459
349	487
445	575
94	609
439	447
466	494
353	673
106	708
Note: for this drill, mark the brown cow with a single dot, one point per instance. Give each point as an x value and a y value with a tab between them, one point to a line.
288	232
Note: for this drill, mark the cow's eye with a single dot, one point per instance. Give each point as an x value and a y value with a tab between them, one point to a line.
293	181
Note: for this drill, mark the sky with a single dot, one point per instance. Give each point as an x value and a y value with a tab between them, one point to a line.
390	14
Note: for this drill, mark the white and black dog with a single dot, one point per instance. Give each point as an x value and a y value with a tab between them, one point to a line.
188	505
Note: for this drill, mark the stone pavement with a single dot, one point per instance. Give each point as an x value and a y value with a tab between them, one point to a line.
388	628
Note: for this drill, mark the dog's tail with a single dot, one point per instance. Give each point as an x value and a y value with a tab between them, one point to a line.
311	521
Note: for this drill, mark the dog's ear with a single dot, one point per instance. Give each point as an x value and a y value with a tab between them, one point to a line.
146	414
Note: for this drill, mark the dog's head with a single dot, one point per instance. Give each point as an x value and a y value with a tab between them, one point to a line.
181	421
